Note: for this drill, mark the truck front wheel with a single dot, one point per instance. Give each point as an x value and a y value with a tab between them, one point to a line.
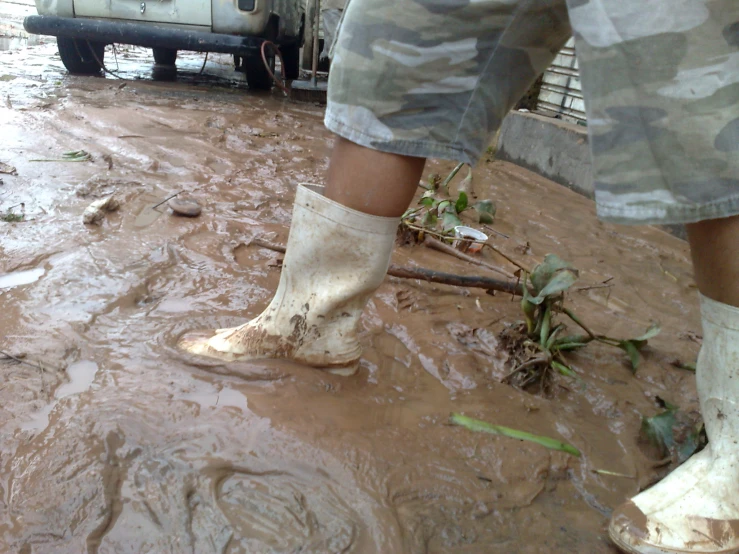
81	57
257	76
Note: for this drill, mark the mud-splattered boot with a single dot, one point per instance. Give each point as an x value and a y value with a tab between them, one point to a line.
336	257
695	509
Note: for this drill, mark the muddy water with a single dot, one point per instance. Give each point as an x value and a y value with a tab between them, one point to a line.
121	445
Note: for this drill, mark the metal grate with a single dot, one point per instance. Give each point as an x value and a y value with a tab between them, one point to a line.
561	91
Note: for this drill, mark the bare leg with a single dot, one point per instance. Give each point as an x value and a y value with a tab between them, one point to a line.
714	245
372	182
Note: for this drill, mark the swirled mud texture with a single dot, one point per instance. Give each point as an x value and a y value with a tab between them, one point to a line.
113	442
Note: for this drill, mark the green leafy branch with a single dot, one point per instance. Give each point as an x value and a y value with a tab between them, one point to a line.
439	213
542	347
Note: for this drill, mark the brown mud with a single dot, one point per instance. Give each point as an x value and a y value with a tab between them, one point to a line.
121	445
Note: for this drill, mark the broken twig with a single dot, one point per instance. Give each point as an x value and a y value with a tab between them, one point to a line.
430	275
166	199
441	247
21	361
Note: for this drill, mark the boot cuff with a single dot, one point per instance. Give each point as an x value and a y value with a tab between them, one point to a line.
720	314
311	197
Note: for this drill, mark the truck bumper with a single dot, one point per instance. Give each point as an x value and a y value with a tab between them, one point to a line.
148	35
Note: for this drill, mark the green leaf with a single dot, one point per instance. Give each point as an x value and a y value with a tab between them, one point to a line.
528	311
427	201
633	351
486	218
445	184
545	271
553	336
563	369
572	338
673	433
693	442
560	281
443	206
659	430
466	184
545	326
486	210
569	346
449	221
484	427
528	308
429	220
653	331
461	204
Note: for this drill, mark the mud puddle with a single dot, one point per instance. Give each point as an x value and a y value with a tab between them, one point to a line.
121	445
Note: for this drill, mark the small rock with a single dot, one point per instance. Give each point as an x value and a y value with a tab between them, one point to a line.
185	207
7	169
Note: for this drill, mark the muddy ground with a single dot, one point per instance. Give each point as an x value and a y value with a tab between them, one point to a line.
119	445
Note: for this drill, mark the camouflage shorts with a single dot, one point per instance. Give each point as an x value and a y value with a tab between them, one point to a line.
434	78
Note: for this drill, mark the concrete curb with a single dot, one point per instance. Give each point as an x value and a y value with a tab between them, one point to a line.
554	149
550	147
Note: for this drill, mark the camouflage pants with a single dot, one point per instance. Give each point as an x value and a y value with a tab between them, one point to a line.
434	78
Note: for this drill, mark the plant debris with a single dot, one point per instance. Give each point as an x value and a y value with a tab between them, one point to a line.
536	346
673	433
11	217
477	425
439	213
8	169
683	365
95	212
72	156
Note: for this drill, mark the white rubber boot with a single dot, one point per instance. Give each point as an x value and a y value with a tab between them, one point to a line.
336	258
695	509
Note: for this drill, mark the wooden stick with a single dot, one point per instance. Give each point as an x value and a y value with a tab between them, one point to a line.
21	361
441	247
514	262
268	245
591	287
168	198
430	275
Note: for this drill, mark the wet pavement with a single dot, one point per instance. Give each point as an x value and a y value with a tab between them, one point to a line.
111	441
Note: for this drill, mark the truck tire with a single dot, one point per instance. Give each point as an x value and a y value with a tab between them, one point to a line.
81	57
257	76
164	56
291	58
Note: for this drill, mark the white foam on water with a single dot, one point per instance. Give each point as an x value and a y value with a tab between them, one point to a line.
18	278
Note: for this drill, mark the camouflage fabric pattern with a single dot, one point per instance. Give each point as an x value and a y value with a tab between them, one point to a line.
434	78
